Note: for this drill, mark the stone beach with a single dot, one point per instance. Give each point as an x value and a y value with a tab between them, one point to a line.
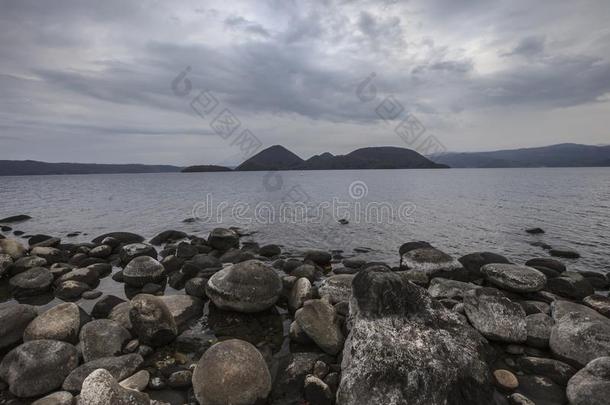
217	319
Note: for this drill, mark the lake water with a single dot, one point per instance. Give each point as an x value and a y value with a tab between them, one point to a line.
459	210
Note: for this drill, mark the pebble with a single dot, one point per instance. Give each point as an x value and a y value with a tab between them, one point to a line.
505	380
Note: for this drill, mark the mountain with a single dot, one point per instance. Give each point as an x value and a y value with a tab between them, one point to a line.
33	167
205	168
562	155
273	158
384	157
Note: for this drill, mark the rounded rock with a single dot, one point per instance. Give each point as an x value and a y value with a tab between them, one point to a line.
14	319
102	338
152	320
35	281
143	270
513	277
62	322
591	385
129	252
223	239
505	380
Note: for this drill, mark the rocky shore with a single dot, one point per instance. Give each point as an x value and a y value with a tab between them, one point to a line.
222	320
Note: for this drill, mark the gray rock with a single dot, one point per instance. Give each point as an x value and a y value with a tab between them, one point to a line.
196	287
539	330
168	236
248	287
12	248
101	388
56	398
91	295
431	261
541	390
337	288
270	250
495	316
560	308
591	385
120	237
119	367
202	264
152	321
26	263
101	251
547	262
102	338
104	305
223	239
185	250
564	252
62	322
183	308
535	307
317	392
38	367
404	347
474	261
70	290
86	275
14	319
143	270
553	369
50	254
231	372
578	338
318	319
6	261
301	291
129	252
32	282
570	285
121	314
138	381
319	257
180	379
353	262
291	377
513	277
310	272
600	303
445	288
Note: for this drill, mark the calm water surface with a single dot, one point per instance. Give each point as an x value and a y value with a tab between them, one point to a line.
459	210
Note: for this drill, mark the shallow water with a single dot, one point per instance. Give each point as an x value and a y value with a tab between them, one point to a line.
457	210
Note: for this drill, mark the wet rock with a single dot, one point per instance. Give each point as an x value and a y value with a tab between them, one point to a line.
101	251
319	257
101	388
86	275
14	319
12	248
138	381
56	398
6	262
26	263
50	254
337	288
495	316
353	263
223	239
591	385
561	308
474	261
180	379
231	372
291	377
248	287
62	322
310	272
121	314
194	341
565	253
32	282
553	369
38	367
119	367
202	264
183	308
168	236
570	285
15	218
539	330
104	305
547	262
432	262
185	250
318	319
600	303
270	250
534	231
91	295
70	290
196	287
578	338
513	277
151	320
505	380
317	392
541	390
102	338
301	292
445	288
298	335
143	270
121	237
535	307
404	347
129	252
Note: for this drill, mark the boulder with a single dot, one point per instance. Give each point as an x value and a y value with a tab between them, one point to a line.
318	319
168	236
70	290
337	288
32	282
129	252
121	314
183	308
539	330
560	308
317	392
152	321
38	367
102	338
121	237
473	262
50	254
553	369
195	287
143	270
101	388
6	262
12	248
14	319
513	277
104	305
309	271
15	218
101	251
119	367
600	303
231	372
26	263
301	291
591	385
223	239
445	288
270	250
547	262
432	262
570	285
62	322
495	316
319	257
202	264
406	348
565	253
249	286
87	275
138	381
56	398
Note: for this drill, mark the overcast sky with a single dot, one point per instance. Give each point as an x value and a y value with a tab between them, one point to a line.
91	81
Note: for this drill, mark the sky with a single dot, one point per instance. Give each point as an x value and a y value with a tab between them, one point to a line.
187	82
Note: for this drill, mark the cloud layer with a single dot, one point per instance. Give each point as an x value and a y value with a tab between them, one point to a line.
92	81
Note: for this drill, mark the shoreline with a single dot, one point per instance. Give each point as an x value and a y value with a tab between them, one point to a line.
316	327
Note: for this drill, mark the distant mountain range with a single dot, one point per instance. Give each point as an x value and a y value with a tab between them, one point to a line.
205	168
33	167
562	155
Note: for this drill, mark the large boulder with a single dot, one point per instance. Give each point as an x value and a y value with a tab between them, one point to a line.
143	270
445	288
120	367
102	338
337	288
473	262
249	286
318	319
32	282
12	248
121	237
152	321
232	372
183	308
38	367
513	277
591	385
62	322
87	275
432	262
14	319
223	239
406	348
577	338
570	285
129	252
101	388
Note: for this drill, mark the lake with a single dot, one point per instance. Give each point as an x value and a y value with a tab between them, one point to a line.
458	210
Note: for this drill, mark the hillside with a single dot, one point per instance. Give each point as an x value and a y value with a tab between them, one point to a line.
205	168
33	167
273	158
